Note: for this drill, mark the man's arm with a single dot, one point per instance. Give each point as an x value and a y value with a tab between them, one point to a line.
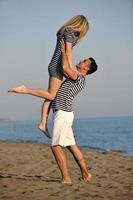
66	67
68	48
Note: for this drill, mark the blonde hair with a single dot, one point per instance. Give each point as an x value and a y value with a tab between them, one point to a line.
79	23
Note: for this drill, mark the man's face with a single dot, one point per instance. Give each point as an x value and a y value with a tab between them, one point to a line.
83	66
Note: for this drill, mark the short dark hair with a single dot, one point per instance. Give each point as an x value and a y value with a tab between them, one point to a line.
93	66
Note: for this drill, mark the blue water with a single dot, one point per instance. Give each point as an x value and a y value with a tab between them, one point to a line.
108	134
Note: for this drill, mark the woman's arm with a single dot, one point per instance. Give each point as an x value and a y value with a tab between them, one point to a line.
66	66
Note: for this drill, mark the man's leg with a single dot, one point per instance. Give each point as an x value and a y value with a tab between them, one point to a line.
81	162
62	163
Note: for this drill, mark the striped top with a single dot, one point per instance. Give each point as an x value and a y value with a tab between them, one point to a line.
67	92
55	65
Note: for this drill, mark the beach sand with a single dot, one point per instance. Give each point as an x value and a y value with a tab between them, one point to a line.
29	172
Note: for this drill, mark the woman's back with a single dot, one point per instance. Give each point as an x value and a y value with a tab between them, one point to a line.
55	65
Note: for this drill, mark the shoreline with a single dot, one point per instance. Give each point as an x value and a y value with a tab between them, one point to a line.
100	150
29	171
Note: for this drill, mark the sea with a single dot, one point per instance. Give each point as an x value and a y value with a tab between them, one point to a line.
102	134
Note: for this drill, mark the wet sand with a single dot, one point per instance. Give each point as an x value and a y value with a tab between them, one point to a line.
29	172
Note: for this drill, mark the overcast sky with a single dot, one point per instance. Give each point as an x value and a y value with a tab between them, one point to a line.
27	41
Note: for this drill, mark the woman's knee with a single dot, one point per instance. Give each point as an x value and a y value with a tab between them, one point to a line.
52	97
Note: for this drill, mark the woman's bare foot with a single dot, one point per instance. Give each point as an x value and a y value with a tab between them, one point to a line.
44	129
19	89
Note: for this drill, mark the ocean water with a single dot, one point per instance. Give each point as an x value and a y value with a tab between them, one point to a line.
107	134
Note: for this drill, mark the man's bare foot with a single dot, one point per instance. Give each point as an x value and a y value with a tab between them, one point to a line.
44	130
67	181
87	178
19	89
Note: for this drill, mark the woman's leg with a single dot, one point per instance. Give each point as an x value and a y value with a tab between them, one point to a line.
44	117
81	162
46	105
54	84
53	87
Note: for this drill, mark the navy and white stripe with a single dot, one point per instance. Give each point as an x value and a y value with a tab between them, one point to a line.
55	65
67	92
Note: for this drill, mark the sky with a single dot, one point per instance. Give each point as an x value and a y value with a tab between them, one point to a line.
27	42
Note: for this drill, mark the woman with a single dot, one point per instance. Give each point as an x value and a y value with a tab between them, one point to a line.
71	32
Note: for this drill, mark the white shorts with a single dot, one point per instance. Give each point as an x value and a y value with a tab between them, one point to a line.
62	133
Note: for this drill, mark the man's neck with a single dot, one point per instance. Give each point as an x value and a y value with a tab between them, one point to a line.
80	73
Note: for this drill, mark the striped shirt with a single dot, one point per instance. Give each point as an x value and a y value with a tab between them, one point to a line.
55	65
67	92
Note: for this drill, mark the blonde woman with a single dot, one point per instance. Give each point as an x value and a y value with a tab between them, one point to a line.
71	32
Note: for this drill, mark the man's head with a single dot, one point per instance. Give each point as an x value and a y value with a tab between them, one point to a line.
87	66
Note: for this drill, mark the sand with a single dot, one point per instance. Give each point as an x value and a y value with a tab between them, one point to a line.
29	172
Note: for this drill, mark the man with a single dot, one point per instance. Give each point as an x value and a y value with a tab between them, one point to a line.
62	134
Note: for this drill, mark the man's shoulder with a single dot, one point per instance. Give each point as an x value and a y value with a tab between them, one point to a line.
80	78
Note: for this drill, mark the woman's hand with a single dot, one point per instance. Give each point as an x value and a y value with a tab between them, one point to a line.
63	46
